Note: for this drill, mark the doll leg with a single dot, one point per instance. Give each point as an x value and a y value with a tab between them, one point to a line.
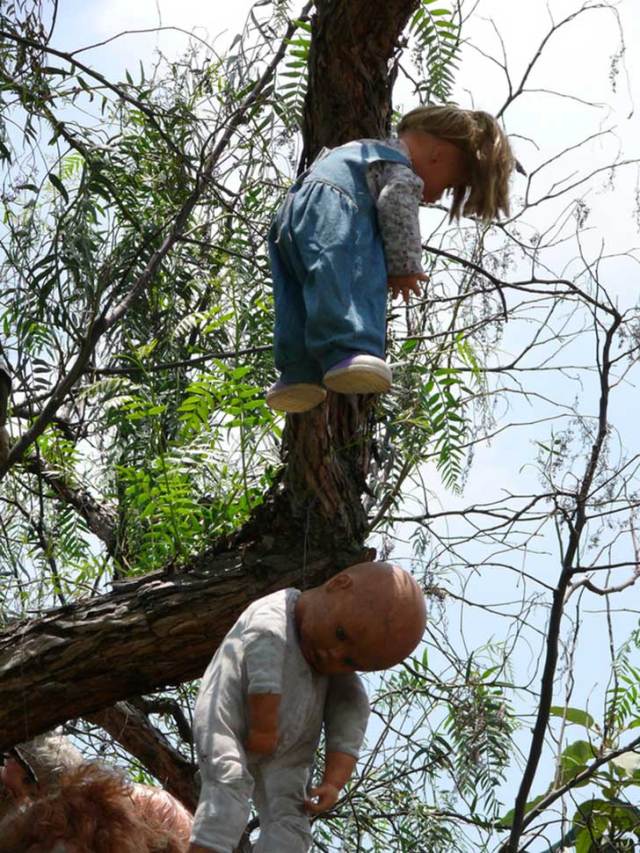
222	814
298	388
341	260
279	793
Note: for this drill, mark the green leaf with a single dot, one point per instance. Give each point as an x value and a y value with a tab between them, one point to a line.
409	345
574	759
574	715
598	816
50	69
57	183
583	841
506	821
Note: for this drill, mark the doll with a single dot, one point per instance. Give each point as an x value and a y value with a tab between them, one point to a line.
348	230
63	804
285	670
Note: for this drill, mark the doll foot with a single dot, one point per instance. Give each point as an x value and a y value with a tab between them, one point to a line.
359	374
295	396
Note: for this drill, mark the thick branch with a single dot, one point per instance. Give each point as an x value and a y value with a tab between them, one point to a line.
149	633
130	727
101	519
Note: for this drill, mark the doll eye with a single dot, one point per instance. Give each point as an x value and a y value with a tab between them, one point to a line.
340	634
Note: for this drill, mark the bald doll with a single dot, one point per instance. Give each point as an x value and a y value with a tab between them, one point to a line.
286	670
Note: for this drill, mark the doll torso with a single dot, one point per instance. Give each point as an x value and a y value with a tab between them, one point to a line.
261	653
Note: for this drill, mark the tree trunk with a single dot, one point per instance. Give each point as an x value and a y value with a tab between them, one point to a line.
352	70
163	629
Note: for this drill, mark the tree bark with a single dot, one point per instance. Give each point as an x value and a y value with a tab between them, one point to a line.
164	629
149	633
352	70
130	727
101	519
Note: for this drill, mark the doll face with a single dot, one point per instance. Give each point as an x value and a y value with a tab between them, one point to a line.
336	638
440	164
347	624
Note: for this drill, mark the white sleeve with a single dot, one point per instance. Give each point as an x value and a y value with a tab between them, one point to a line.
346	712
264	640
264	662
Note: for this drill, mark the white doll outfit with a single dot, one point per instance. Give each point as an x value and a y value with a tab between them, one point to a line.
261	654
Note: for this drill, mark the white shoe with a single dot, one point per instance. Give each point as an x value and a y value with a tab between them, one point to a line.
359	374
295	396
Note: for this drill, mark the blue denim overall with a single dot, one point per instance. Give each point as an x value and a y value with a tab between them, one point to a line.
328	266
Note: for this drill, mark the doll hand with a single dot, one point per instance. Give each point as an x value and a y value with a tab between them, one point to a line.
264	743
406	284
322	798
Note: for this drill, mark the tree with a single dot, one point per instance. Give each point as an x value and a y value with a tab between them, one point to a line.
128	283
145	493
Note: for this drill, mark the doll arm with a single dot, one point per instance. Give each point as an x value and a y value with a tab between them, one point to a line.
263	723
398	204
264	662
338	768
346	712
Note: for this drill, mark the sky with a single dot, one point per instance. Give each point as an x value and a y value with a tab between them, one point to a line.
578	63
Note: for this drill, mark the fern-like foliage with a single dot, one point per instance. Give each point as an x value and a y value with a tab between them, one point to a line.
292	80
480	723
623	696
436	32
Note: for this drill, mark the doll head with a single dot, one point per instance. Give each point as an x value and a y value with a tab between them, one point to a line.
59	801
465	151
92	809
368	617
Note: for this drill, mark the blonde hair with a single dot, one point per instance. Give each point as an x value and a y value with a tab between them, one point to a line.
487	152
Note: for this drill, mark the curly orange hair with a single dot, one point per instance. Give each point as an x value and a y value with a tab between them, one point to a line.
94	809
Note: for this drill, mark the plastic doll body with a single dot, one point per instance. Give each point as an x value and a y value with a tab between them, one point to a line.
260	691
286	670
329	271
349	229
329	268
